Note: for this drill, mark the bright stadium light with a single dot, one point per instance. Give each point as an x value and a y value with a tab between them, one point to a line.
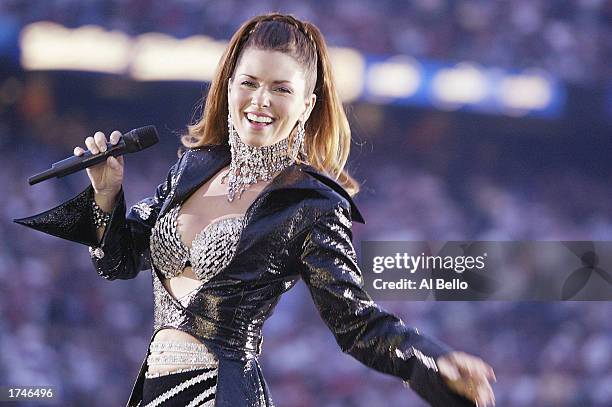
459	85
159	57
397	77
50	46
525	92
349	67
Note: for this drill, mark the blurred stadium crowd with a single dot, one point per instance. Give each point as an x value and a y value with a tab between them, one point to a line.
425	175
569	38
61	324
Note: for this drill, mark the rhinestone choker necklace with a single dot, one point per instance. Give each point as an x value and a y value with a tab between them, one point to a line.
250	164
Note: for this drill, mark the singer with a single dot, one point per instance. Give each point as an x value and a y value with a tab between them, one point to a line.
258	199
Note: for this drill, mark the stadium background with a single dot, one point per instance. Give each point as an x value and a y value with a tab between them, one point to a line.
436	166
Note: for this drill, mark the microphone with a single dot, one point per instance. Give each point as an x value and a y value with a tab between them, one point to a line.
131	142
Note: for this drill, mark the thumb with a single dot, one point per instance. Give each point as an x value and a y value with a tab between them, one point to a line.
113	163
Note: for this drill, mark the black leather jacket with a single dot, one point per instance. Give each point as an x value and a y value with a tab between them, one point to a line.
298	227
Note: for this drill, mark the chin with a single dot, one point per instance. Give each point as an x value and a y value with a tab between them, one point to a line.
258	140
250	140
253	140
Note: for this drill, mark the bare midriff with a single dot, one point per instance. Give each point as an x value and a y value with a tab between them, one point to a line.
178	286
208	204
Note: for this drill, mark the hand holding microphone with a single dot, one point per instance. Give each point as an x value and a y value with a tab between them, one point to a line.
103	161
107	176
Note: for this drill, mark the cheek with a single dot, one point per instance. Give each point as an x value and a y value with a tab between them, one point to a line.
290	111
293	114
238	98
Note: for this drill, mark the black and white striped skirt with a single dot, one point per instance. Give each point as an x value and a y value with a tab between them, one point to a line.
192	388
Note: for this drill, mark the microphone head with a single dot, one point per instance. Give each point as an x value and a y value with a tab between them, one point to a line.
140	138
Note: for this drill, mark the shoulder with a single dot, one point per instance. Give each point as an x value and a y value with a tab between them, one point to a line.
333	191
199	158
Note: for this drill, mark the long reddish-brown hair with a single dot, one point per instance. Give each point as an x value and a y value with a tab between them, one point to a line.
328	135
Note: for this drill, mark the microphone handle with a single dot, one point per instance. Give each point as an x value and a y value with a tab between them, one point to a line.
76	163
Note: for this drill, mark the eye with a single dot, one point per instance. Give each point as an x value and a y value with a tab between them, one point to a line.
248	83
284	90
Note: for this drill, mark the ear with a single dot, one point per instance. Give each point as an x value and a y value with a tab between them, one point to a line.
310	104
229	87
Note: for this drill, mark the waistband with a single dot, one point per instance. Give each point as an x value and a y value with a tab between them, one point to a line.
181	353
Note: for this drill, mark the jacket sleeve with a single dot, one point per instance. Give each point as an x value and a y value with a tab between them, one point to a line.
124	249
362	329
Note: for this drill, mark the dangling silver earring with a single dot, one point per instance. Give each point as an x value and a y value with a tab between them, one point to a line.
231	130
298	143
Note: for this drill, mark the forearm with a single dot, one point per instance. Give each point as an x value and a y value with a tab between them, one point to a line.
122	243
106	202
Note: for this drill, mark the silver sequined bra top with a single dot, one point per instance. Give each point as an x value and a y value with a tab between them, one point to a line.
211	250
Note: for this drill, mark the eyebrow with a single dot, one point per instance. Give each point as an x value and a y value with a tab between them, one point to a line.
256	78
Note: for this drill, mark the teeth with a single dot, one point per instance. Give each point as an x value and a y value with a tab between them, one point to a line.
259	119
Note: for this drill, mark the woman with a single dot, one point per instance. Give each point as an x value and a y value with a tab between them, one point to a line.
258	199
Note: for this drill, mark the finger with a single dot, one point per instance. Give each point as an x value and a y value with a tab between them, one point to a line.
112	162
451	372
474	367
485	394
447	369
482	365
484	401
119	162
491	373
466	365
78	151
100	140
485	370
91	145
115	137
475	381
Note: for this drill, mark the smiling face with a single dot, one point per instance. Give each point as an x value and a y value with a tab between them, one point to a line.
267	96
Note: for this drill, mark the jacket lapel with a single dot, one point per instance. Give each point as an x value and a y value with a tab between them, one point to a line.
197	167
201	164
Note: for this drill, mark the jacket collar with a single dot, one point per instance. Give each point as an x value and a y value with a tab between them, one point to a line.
200	164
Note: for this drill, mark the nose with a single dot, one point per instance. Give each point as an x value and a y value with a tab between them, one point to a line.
260	98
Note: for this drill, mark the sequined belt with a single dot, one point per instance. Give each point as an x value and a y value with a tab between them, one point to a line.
181	353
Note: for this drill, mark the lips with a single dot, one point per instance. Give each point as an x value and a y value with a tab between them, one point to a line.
257	120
